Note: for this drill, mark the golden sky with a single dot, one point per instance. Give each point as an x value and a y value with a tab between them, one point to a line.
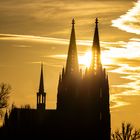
34	31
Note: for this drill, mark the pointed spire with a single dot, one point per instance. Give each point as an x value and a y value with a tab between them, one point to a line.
60	80
72	59
96	42
41	85
6	118
41	95
96	62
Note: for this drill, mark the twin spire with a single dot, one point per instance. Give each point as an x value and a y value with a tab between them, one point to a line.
72	67
96	60
72	59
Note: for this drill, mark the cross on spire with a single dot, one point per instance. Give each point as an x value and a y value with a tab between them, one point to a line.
96	21
73	21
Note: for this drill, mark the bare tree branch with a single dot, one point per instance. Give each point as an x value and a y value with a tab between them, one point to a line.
126	132
5	90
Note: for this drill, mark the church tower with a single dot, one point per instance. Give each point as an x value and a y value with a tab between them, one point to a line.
41	95
96	54
95	90
100	90
68	80
72	59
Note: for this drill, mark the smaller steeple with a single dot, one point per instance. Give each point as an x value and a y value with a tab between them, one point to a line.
41	85
41	95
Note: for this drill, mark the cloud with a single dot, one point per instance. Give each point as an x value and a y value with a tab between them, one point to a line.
32	38
52	40
36	26
130	62
23	46
125	54
129	22
36	17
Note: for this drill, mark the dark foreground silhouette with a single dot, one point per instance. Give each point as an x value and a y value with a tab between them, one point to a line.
82	102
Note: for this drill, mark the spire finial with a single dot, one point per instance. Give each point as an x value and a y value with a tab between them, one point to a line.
73	21
96	20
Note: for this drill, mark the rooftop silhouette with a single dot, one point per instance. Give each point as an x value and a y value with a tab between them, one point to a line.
82	101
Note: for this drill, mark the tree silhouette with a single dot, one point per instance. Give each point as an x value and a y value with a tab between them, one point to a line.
127	132
4	95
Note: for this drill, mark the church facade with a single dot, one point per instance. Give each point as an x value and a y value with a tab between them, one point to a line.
82	101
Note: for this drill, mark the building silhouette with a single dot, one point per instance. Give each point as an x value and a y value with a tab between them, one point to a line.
82	101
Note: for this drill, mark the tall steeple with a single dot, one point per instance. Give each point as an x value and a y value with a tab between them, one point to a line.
41	95
69	83
96	60
72	59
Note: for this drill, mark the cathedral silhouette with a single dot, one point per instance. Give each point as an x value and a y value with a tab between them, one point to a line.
82	101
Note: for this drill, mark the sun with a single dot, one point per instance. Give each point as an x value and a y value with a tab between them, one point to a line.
85	59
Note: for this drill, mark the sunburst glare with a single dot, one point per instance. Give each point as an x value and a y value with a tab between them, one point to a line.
86	58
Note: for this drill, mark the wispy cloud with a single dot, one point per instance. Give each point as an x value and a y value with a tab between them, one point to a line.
117	57
23	46
129	22
33	38
36	18
116	102
42	39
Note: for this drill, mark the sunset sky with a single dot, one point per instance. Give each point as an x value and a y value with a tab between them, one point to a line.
34	31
